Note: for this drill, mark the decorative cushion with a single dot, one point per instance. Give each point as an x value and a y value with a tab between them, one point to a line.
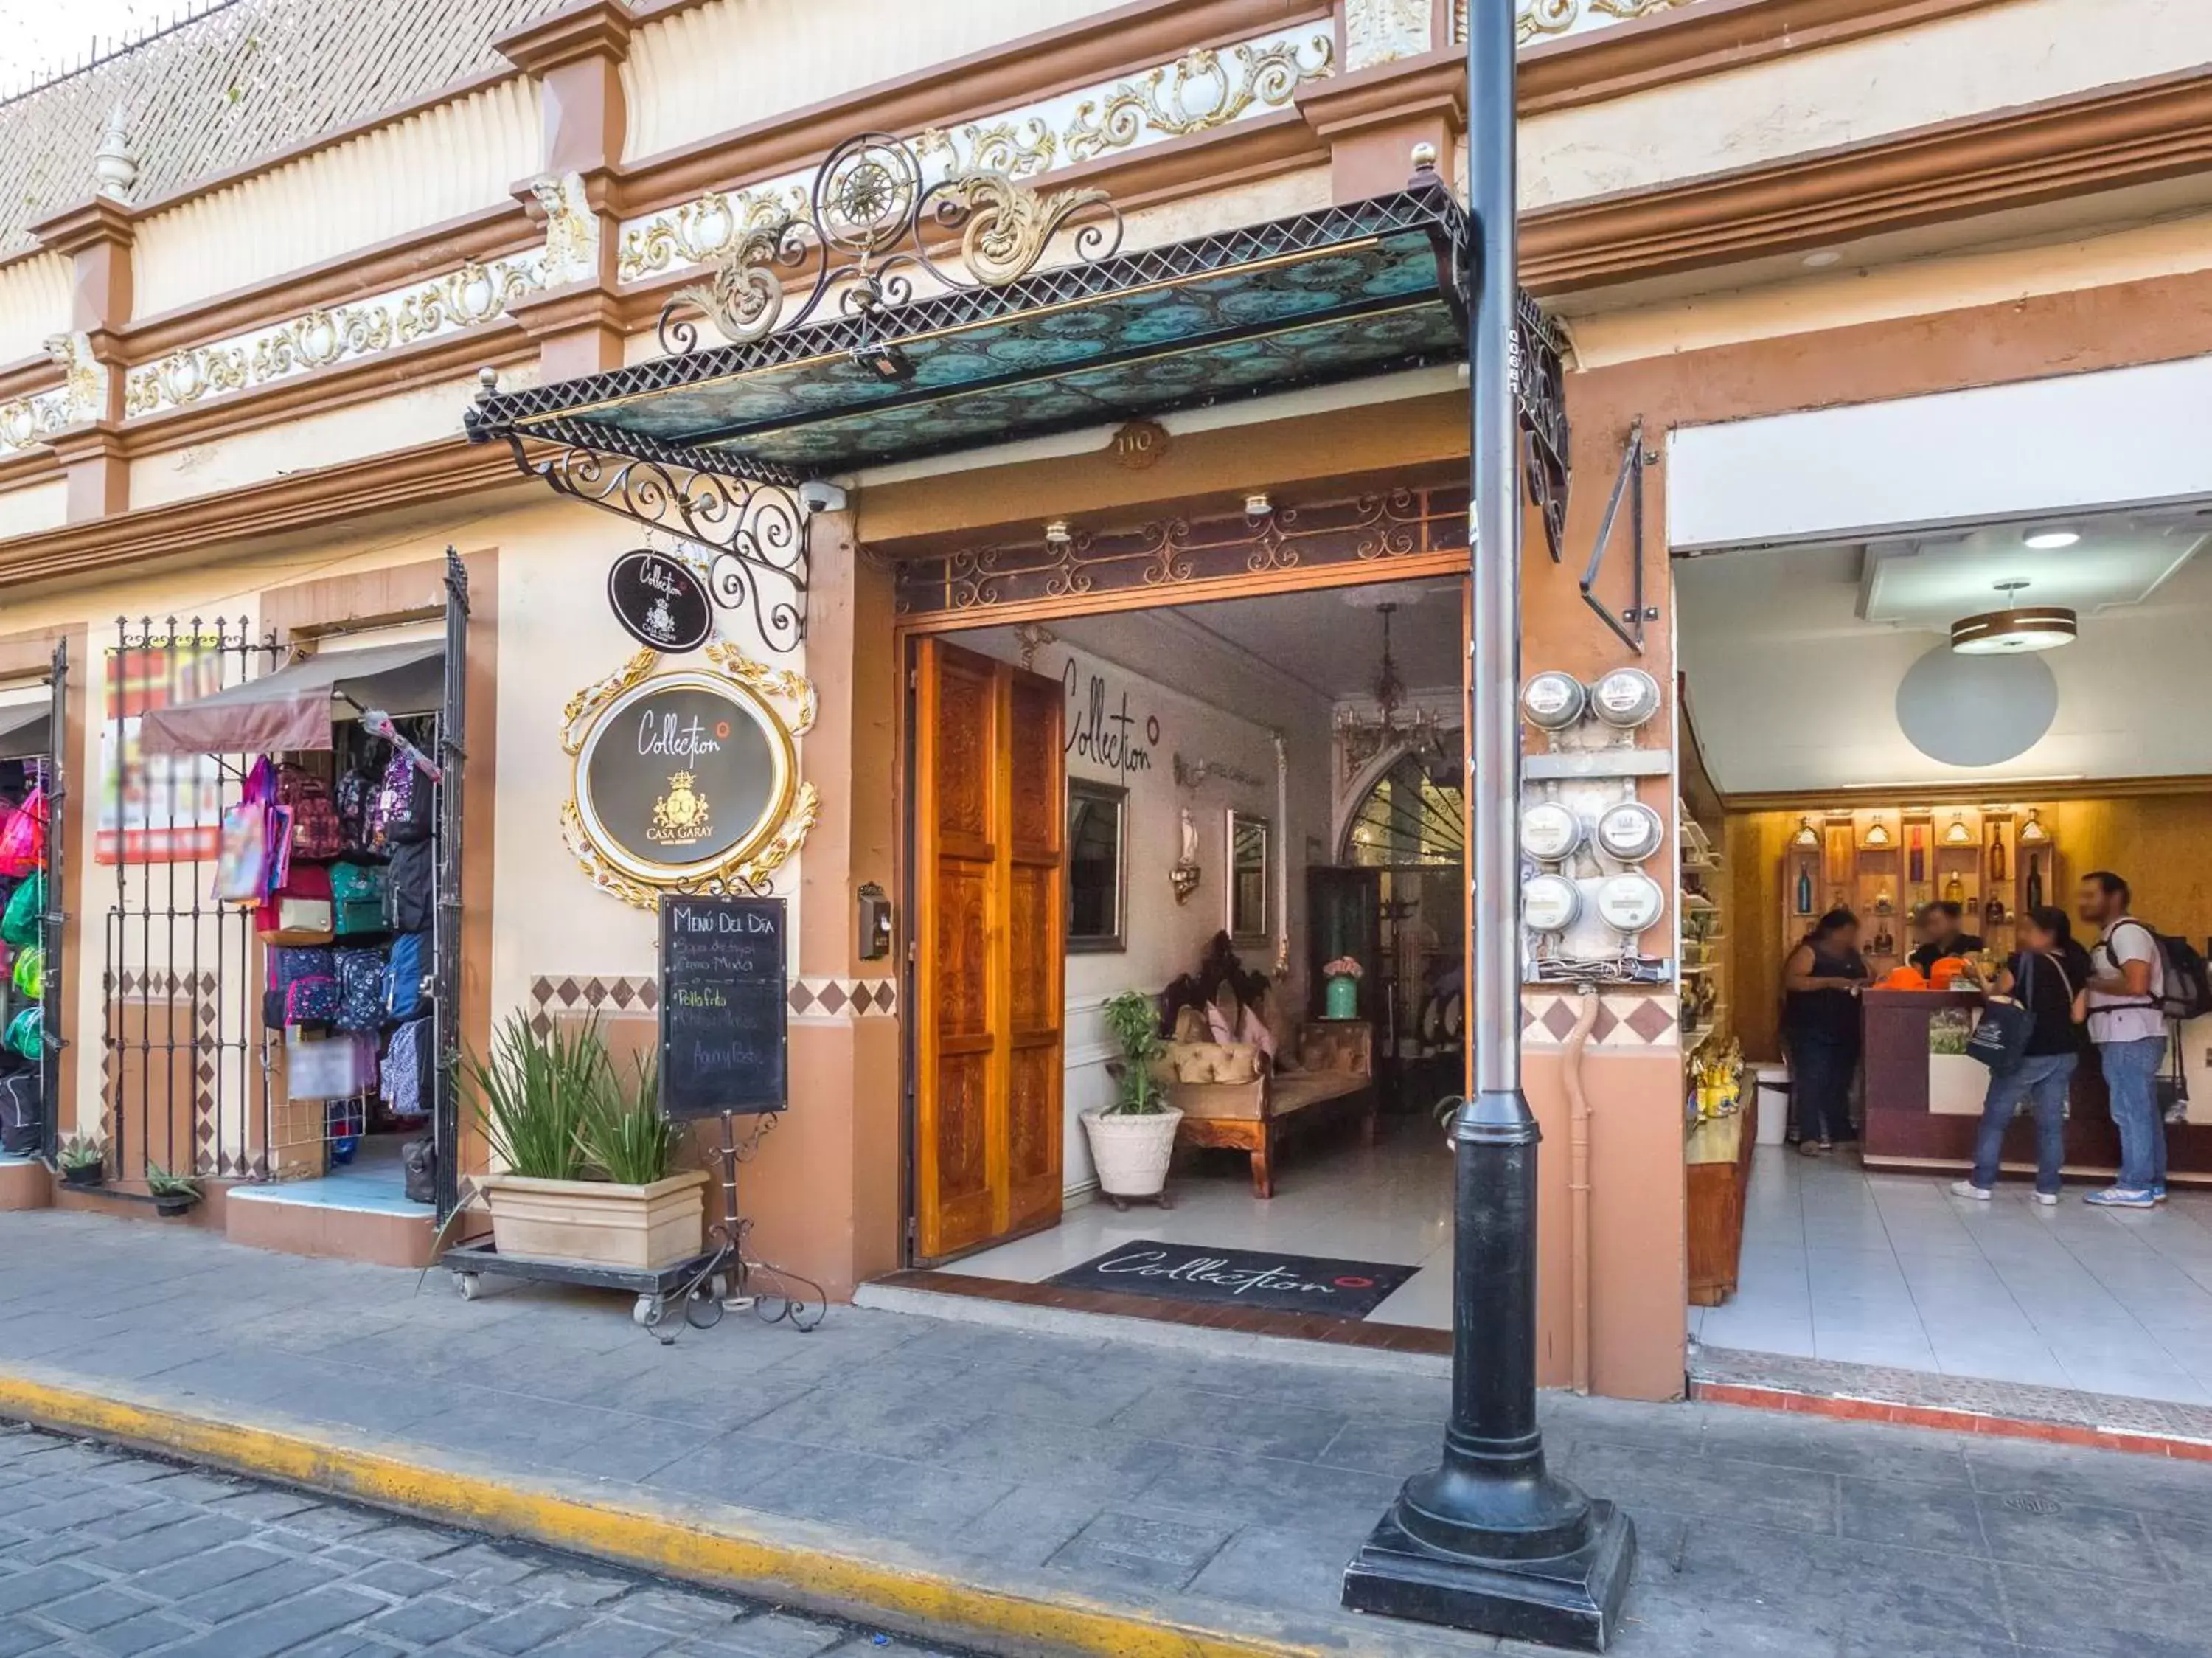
1342	1048
1212	1061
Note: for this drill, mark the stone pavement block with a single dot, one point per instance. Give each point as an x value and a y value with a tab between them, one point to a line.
201	1532
186	1486
1140	1549
1707	1486
1912	1516
1267	1565
1026	1527
608	1637
1024	1450
2087	1617
773	1635
620	1447
19	1637
489	1563
416	1543
2113	1543
95	1608
264	1505
1792	1440
401	1579
282	1627
29	1589
177	1580
344	1645
727	1470
573	1586
1903	1601
425	1622
148	1632
53	1546
2176	1488
329	1523
679	1611
150	1515
241	1595
1242	1489
526	1628
1382	1445
1232	1422
63	1512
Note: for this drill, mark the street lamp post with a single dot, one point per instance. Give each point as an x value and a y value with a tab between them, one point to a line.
1488	1539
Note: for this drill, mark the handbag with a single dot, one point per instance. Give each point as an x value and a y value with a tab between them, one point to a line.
298	912
242	847
26	914
22	1114
2000	1039
23	838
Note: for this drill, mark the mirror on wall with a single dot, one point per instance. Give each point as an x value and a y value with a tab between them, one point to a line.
1097	866
1251	863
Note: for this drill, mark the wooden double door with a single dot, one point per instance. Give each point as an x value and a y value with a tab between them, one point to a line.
990	816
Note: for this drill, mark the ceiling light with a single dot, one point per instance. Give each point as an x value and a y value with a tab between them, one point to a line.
2050	540
1823	258
2014	632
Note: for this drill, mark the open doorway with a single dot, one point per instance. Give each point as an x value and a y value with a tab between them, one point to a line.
1918	750
1255	826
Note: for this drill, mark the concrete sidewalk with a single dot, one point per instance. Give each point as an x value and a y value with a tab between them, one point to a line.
1012	1489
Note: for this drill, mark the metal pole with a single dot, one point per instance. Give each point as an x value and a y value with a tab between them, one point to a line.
1490	1539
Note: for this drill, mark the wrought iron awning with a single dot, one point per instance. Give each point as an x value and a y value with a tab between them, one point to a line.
853	340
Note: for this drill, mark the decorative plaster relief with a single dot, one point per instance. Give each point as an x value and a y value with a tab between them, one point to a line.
1211	88
1546	19
1382	31
27	422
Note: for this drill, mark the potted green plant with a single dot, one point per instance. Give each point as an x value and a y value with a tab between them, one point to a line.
83	1160
173	1193
1133	1140
587	1166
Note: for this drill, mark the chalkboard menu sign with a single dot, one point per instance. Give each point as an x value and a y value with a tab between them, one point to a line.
723	1014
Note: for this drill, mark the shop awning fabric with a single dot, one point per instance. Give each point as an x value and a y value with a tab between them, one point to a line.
292	707
1353	291
26	730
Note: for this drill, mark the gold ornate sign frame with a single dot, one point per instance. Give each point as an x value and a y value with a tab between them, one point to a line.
747	867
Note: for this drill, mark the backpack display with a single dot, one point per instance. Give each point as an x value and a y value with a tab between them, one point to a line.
26	1034
243	873
351	801
23	836
410	887
399	812
22	1114
403	977
303	988
2186	991
315	830
418	1163
26	913
407	1069
29	974
360	975
299	912
358	899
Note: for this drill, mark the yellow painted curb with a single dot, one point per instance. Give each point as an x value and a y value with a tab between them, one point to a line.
666	1541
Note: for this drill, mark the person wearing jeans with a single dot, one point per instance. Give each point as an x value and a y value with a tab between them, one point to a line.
2127	1021
2040	978
1823	978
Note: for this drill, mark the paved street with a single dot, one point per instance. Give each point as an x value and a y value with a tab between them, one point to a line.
108	1554
1225	1490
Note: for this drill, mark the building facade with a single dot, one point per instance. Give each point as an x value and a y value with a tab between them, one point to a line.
255	278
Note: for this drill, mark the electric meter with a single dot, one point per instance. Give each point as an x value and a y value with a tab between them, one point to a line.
1625	697
1552	701
1550	903
1631	832
1630	903
1550	832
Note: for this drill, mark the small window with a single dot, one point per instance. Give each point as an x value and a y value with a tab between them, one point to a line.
1251	858
1097	836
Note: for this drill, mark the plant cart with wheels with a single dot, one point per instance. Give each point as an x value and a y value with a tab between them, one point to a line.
694	1279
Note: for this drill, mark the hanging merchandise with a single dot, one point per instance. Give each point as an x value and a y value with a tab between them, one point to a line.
241	868
356	792
360	974
399	812
23	838
29	977
315	831
26	1034
403	977
407	1069
299	912
303	988
329	1068
22	1114
358	899
27	910
410	887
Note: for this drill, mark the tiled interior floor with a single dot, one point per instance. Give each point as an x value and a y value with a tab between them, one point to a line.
1333	1197
1891	1269
372	1181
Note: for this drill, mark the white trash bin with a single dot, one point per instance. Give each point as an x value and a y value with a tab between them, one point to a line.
1773	1082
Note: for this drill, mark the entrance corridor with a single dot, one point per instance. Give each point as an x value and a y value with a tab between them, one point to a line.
1890	1270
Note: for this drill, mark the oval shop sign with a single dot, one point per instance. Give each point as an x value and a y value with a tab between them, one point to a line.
661	601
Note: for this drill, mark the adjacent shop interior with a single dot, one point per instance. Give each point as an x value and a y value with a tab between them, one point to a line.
30	931
1265	840
1977	716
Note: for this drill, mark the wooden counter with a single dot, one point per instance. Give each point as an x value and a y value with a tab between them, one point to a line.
1923	1109
1718	1154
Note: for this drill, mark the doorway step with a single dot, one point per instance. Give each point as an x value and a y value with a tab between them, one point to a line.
1966	1404
350	1220
1190	1327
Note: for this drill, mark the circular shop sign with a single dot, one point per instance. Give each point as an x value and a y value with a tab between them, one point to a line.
661	601
683	777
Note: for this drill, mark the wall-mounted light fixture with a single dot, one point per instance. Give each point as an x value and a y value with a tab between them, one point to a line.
1057	534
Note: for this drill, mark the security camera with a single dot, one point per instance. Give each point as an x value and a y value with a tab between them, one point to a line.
818	496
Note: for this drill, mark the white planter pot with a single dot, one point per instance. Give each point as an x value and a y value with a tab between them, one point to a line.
1132	1153
636	1227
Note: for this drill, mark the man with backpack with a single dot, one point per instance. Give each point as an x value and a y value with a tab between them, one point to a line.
2127	998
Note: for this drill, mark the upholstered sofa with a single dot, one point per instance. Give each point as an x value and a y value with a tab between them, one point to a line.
1228	1098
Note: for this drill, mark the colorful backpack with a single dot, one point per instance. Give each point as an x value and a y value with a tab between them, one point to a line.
303	987
400	812
403	977
315	829
360	974
29	977
356	791
26	1033
26	913
23	838
358	899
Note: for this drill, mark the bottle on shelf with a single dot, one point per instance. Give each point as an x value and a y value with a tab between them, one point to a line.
2034	880
1954	890
1916	855
1996	855
1805	888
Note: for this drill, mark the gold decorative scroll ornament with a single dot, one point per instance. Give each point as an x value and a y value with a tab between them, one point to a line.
782	702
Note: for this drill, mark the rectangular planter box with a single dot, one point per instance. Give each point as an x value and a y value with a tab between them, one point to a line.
636	1227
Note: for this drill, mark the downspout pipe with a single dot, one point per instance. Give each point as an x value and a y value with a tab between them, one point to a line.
1578	1181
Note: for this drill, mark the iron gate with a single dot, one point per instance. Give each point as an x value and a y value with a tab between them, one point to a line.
52	923
446	947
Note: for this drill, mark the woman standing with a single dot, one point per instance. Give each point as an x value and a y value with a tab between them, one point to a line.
1823	978
2045	976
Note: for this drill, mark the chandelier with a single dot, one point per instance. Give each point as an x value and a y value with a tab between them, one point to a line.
1390	725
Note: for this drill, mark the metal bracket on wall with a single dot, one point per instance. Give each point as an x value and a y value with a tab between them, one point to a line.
1628	487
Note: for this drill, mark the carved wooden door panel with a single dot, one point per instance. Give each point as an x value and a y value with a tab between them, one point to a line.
991	937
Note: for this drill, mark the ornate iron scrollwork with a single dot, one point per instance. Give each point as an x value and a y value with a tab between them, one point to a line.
753	531
864	237
1540	380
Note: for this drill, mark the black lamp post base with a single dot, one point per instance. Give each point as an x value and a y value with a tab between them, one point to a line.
1570	1600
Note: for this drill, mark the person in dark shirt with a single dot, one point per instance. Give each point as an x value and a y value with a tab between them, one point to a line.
2044	976
1822	979
1942	933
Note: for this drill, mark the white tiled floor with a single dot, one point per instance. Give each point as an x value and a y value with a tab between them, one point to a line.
1889	1269
373	1182
1334	1198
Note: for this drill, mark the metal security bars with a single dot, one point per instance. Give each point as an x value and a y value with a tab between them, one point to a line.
446	946
56	964
183	1070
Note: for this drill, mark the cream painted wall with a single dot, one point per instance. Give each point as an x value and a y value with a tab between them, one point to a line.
34	303
34	507
449	160
1994	58
732	62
